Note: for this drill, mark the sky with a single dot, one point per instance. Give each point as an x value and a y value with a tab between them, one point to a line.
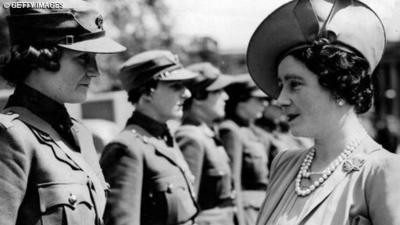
232	22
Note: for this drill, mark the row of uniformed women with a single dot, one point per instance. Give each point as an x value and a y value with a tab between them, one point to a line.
50	173
155	180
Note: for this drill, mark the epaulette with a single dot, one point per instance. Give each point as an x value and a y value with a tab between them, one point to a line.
144	139
148	140
7	118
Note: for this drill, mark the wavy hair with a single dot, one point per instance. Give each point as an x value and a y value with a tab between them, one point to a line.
340	70
23	59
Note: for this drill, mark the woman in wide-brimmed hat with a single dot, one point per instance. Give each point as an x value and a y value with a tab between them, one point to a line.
317	58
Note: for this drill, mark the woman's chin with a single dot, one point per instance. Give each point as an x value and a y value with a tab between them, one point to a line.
76	99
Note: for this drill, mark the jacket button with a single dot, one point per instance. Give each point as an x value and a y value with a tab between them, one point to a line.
170	187
72	199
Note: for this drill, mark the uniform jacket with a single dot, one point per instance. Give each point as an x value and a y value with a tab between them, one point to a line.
254	149
149	181
363	191
252	145
42	180
209	164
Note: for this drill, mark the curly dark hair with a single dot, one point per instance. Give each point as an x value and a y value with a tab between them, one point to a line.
340	70
23	59
135	94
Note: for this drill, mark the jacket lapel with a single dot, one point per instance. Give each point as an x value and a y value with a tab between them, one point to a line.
323	191
159	145
51	137
85	141
164	150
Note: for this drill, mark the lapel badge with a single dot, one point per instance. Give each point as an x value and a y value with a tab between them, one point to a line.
353	164
99	22
145	139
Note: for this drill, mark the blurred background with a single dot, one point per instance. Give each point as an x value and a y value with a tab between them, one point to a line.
217	32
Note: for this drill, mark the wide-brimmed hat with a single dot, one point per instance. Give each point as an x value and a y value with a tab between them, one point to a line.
152	65
71	24
300	22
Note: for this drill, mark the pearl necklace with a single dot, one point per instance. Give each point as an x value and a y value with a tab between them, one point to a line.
326	173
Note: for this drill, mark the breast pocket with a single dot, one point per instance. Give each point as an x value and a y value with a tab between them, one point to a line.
177	199
65	203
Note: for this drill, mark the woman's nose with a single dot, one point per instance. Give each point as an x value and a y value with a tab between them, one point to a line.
225	96
283	99
186	93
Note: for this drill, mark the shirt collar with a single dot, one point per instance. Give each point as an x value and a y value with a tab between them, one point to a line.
240	121
155	128
46	108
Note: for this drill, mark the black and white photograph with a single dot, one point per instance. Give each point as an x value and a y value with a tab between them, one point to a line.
184	112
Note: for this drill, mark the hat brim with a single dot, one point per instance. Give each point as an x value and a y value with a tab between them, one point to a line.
179	74
258	94
102	45
275	35
221	82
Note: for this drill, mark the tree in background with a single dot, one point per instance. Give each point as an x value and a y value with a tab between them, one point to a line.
137	24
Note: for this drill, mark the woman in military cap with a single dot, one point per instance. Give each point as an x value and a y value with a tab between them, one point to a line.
241	136
202	147
317	58
150	180
49	168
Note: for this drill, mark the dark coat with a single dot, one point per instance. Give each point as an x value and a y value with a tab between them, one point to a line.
42	180
150	182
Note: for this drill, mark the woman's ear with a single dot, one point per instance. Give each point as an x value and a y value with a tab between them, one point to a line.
148	95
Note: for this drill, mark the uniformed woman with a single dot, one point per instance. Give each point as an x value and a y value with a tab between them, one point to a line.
317	57
246	103
150	180
49	170
202	147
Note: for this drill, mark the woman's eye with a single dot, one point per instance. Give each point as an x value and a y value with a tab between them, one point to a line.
84	59
280	85
294	85
177	87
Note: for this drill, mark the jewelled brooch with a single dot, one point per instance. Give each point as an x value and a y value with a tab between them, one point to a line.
353	164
